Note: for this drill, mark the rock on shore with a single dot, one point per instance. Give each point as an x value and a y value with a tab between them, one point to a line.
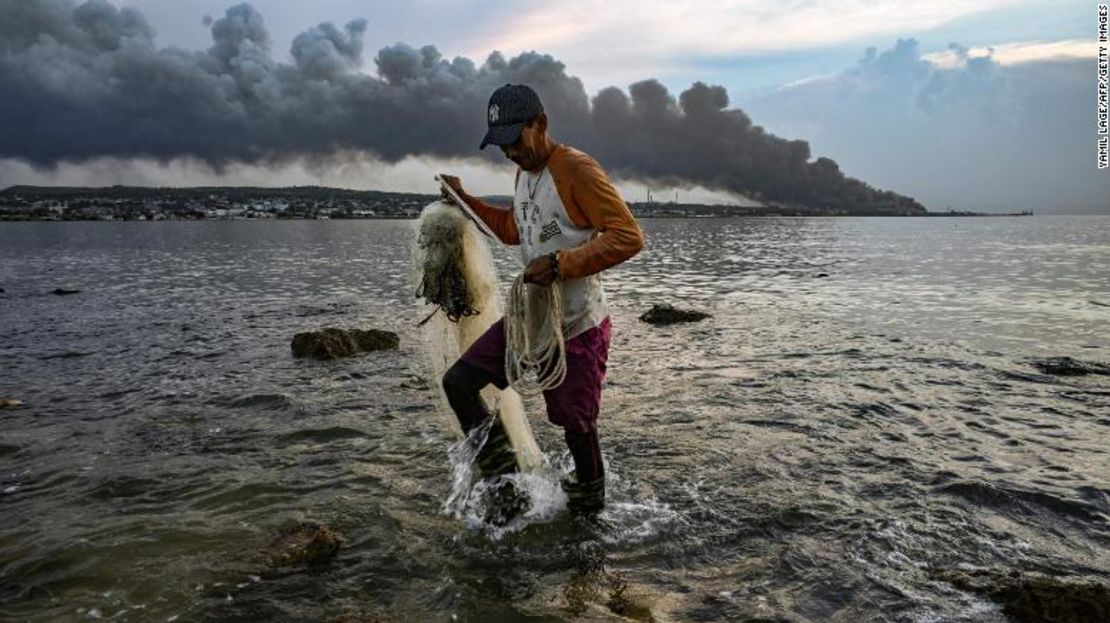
332	343
1034	597
1066	366
665	314
307	543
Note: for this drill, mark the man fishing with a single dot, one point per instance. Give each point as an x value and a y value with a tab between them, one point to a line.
571	224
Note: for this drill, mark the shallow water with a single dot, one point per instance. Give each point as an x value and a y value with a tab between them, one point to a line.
813	451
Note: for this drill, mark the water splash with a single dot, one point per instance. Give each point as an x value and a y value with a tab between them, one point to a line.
474	500
627	518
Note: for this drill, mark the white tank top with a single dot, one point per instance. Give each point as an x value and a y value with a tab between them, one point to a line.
544	226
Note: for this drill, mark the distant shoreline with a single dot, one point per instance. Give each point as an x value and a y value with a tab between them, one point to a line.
137	203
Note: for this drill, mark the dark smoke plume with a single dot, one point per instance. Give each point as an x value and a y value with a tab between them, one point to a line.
85	80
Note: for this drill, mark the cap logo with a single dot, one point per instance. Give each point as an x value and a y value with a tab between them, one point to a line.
494	113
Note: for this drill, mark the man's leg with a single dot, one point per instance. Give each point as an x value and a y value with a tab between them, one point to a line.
585	448
463	384
575	406
586	494
483	363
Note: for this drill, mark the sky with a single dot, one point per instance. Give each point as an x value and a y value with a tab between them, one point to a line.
984	105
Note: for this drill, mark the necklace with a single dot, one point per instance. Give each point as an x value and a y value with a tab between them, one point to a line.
528	184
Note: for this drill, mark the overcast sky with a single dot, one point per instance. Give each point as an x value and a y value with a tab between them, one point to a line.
984	104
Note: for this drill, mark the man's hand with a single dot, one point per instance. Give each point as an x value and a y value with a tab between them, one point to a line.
540	271
454	183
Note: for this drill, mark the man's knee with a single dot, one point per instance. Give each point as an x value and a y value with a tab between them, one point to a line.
453	381
462	379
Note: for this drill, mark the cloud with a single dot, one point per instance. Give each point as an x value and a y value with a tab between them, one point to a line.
970	133
1015	52
87	81
583	33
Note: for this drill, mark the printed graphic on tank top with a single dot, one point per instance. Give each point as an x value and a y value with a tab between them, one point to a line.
544	227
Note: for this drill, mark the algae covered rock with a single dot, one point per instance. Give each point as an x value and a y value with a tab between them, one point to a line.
307	543
332	343
1035	597
664	314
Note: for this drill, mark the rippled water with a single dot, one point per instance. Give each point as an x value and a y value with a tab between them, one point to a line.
859	411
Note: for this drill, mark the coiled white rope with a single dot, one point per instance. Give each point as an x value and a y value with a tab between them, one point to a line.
534	334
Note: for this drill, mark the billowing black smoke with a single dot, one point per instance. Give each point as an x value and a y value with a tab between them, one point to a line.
79	81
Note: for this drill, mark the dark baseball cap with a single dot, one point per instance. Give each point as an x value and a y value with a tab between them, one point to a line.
510	107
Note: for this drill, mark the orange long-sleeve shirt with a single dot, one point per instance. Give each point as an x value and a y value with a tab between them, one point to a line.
590	200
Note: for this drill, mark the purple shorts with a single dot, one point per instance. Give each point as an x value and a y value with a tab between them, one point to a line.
575	403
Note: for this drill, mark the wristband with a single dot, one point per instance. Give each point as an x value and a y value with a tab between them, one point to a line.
554	255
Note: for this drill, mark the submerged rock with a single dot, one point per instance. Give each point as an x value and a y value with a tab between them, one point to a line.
1037	598
358	616
63	291
666	314
307	543
334	343
1066	366
415	382
631	606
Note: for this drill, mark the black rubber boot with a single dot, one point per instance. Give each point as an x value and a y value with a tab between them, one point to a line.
584	498
505	502
586	490
495	459
496	456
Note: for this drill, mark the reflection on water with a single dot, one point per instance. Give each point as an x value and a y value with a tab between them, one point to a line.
859	411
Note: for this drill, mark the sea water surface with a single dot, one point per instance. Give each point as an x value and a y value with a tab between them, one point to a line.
859	412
